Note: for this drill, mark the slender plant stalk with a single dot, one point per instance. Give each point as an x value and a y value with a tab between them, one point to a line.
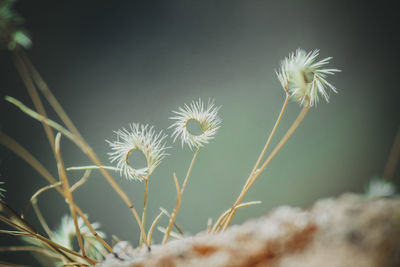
81	181
45	90
220	219
177	227
67	192
209	225
92	167
86	149
284	139
172	233
41	219
13	146
153	225
77	138
36	194
26	78
189	170
32	249
260	157
394	155
27	232
278	120
179	198
145	200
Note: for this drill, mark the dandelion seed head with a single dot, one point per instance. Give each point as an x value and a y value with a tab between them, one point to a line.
304	78
206	117
138	137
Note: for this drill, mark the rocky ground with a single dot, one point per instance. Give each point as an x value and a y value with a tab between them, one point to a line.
349	231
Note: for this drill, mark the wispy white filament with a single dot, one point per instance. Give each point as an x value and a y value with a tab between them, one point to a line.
304	78
65	234
206	117
138	137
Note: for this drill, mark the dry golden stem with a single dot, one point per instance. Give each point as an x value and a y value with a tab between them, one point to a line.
43	119
35	195
146	193
67	192
209	225
41	84
172	233
219	223
177	227
8	264
13	146
77	138
390	167
278	120
47	241
153	225
91	229
179	197
189	171
32	249
81	181
24	73
284	139
41	219
222	219
92	167
89	152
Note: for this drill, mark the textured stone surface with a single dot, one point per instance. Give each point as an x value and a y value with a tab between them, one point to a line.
345	232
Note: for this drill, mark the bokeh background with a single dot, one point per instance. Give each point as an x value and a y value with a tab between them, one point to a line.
111	63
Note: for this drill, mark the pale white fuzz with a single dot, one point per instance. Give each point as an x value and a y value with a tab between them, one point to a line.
206	117
378	187
138	137
65	235
304	79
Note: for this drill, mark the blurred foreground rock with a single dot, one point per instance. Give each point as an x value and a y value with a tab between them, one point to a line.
350	231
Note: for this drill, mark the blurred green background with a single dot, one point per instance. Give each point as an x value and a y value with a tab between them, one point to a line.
111	63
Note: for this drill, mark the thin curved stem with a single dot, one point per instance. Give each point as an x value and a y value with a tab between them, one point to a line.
189	170
145	200
36	194
27	232
179	198
278	120
13	146
81	181
78	139
67	192
26	78
393	158
177	227
153	225
220	219
89	152
260	157
92	167
32	249
284	139
41	219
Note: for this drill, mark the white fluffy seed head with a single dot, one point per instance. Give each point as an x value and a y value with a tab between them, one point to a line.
304	79
206	117
138	137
